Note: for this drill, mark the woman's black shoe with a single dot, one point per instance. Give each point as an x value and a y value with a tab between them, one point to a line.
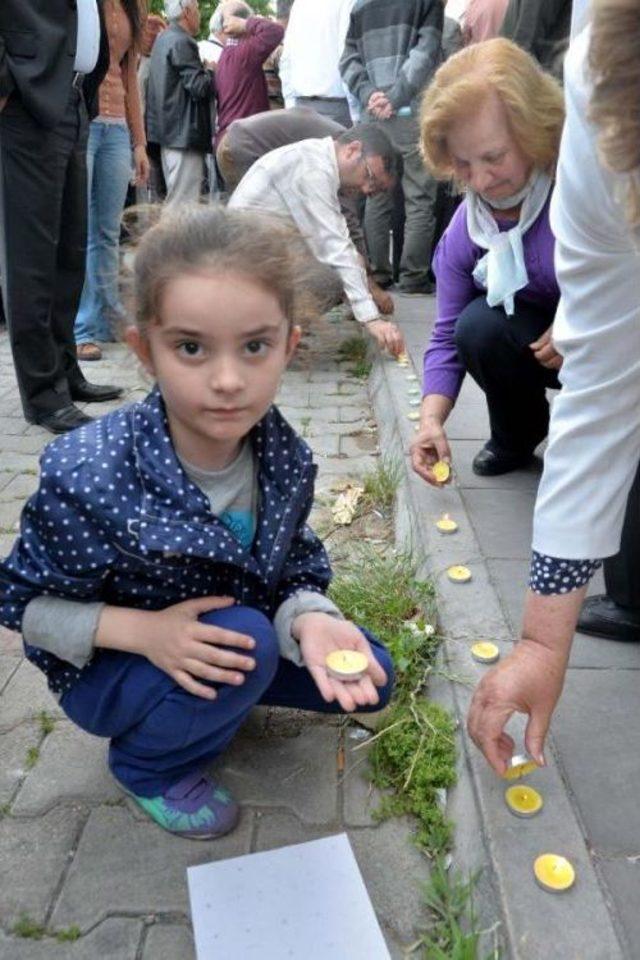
601	617
488	463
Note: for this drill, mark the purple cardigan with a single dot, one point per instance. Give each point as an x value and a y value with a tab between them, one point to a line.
453	264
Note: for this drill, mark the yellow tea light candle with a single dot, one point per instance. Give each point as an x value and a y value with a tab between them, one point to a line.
411	377
459	574
414	415
346	664
554	873
403	359
485	652
441	471
446	525
520	766
523	801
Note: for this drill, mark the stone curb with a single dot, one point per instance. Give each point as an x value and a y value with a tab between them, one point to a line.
525	921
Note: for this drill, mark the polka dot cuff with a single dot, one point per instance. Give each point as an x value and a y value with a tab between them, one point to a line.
552	575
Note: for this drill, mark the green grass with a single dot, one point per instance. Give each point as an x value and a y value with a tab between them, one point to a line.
353	349
69	934
413	754
381	484
453	934
380	591
33	755
46	722
28	929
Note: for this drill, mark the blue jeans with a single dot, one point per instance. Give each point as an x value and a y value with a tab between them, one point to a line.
108	176
160	732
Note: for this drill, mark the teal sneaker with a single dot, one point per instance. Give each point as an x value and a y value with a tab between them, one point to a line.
194	807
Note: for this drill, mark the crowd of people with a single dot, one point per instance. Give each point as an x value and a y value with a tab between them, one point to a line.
165	578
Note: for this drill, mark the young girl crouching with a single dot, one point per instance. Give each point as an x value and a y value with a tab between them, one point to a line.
165	578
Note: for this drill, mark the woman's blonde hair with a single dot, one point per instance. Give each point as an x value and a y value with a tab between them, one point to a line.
614	60
532	99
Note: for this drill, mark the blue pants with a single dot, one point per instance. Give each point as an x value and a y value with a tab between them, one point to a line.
160	732
108	175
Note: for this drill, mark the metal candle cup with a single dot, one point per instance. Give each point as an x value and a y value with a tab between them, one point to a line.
554	873
347	665
523	801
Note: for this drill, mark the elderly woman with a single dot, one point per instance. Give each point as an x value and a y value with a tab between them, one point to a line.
594	442
491	119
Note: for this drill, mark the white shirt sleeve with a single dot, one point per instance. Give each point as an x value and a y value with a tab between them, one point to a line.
594	437
88	37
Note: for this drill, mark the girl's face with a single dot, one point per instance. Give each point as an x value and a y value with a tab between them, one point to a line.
484	154
218	352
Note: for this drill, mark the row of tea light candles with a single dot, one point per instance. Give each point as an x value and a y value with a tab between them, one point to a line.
552	871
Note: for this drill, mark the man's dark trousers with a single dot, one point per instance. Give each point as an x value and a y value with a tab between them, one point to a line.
43	212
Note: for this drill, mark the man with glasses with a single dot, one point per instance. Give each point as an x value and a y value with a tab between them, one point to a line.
302	181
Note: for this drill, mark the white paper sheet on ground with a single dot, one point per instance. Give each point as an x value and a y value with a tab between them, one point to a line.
306	902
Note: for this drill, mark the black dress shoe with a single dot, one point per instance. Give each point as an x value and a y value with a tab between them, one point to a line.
86	392
488	463
61	420
601	617
415	289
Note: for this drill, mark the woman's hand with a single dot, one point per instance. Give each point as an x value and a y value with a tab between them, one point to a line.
545	352
141	162
319	634
429	446
528	681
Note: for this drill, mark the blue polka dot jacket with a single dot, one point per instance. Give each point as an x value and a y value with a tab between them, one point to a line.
116	519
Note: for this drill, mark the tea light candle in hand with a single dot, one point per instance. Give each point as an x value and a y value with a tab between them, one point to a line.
346	664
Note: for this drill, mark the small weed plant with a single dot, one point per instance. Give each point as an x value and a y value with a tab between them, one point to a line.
46	723
381	484
32	757
355	350
28	929
69	934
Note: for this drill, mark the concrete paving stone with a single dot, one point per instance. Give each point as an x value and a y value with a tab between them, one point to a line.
359	798
622	877
309	431
279	828
19	487
115	939
502	521
596	738
13	755
19	463
126	865
72	766
12	426
169	941
325	444
25	696
33	856
25	444
465	451
359	443
9	663
345	466
394	872
319	415
469	422
354	413
7	541
299	773
10	511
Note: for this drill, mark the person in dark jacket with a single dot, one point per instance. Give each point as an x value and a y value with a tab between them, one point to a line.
48	92
179	93
541	27
165	578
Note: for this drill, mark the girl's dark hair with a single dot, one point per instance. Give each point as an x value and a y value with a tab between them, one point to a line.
265	248
133	12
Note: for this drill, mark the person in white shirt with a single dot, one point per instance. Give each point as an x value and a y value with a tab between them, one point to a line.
301	181
211	48
594	439
313	45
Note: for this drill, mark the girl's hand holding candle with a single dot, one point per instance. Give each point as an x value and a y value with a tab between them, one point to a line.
331	647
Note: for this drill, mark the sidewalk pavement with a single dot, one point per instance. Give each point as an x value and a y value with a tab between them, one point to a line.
592	783
72	851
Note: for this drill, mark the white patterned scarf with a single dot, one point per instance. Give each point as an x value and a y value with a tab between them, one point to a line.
502	270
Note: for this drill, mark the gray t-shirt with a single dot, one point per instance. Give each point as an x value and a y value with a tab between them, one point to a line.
67	628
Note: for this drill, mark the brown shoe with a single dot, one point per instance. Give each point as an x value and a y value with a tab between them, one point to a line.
88	351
